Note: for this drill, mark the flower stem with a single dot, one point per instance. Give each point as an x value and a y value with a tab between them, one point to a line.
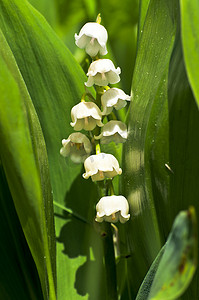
110	187
109	260
107	236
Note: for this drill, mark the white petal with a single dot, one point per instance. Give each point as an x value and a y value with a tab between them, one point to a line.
116	138
112	208
102	165
103	51
100	79
103	72
77	146
101	66
113	131
120	104
99	123
86	109
78	137
92	48
96	31
78	125
114	97
85	115
82	41
90	81
113	76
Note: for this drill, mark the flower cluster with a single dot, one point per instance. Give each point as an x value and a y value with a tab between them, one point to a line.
91	115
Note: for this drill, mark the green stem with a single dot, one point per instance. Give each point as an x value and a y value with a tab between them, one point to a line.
110	187
112	116
109	260
107	236
109	253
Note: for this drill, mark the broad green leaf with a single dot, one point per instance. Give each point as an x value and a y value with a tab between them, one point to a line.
147	111
175	265
24	159
190	41
144	4
15	282
55	83
183	146
47	8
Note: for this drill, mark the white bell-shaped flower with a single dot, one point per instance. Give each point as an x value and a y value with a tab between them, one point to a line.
102	72
114	98
86	115
112	208
101	166
77	146
92	38
113	131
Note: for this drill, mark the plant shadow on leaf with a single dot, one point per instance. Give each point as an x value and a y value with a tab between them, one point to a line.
80	239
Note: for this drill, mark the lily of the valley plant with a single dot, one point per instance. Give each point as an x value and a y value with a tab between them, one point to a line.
99	150
92	115
87	116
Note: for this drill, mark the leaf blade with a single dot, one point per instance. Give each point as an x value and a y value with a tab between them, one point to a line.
174	267
23	153
190	41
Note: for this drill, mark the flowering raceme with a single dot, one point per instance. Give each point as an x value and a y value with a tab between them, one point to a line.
102	72
114	98
112	208
101	166
86	115
77	146
93	38
113	131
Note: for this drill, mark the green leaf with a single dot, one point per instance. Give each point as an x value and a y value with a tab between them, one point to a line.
144	4
190	41
47	8
176	263
183	146
24	159
145	287
147	110
55	83
15	282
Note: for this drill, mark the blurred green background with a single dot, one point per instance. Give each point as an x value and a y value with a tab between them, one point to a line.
119	17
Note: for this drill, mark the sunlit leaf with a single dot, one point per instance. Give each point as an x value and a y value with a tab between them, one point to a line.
190	41
24	159
148	103
55	83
